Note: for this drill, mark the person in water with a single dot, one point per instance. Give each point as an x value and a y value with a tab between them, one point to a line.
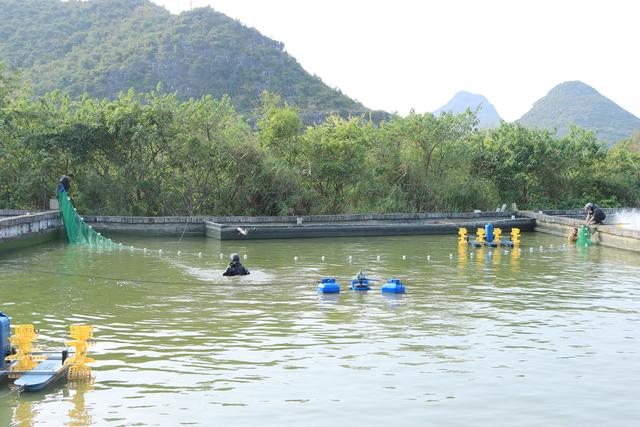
235	268
573	235
64	184
360	281
360	277
595	214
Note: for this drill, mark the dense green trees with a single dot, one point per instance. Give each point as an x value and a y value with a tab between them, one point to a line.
154	154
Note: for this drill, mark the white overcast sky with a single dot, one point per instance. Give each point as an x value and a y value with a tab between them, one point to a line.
395	55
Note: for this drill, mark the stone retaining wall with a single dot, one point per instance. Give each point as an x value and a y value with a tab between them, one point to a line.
148	226
22	230
360	225
605	235
14	212
355	217
16	225
277	226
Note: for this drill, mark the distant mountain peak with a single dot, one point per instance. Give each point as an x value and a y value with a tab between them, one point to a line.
464	100
464	95
574	86
575	102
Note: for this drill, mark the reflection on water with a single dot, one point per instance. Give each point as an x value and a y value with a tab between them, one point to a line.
480	334
515	260
33	409
627	219
80	414
23	414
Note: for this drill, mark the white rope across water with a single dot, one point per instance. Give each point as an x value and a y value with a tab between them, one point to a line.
164	253
435	260
75	220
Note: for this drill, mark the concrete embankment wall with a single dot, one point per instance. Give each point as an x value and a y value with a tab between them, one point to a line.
228	228
12	212
304	219
560	223
20	229
148	226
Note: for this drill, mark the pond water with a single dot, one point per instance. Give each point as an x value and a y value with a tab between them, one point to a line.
626	219
548	335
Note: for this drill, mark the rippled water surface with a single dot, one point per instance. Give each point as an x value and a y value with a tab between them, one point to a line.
546	336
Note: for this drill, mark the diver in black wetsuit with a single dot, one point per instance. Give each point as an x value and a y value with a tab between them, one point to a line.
235	268
595	215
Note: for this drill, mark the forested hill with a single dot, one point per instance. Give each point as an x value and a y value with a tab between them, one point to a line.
580	104
101	47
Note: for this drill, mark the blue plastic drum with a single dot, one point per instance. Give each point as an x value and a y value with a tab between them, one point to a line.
5	334
328	285
393	286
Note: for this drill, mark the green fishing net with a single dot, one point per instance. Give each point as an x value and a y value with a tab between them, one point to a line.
76	229
584	236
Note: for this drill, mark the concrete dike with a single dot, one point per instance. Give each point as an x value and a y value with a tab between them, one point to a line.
148	225
22	228
560	223
284	227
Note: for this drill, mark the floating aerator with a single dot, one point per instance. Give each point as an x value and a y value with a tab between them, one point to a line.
360	285
393	286
328	285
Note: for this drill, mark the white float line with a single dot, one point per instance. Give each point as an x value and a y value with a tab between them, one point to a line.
180	253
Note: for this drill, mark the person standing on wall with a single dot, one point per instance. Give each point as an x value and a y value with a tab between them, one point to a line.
64	184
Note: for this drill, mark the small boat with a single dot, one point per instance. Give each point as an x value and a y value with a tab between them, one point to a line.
36	370
43	374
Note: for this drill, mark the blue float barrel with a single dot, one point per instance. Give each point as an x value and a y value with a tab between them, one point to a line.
488	232
328	285
393	286
5	334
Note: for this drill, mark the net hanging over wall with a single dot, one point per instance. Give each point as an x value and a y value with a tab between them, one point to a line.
76	229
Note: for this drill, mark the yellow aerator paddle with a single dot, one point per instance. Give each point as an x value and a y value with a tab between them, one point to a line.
78	369
22	339
462	233
515	236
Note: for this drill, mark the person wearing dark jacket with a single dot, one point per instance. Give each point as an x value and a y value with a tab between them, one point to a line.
235	268
595	214
64	184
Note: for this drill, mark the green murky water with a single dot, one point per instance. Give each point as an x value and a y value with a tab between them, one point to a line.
542	337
